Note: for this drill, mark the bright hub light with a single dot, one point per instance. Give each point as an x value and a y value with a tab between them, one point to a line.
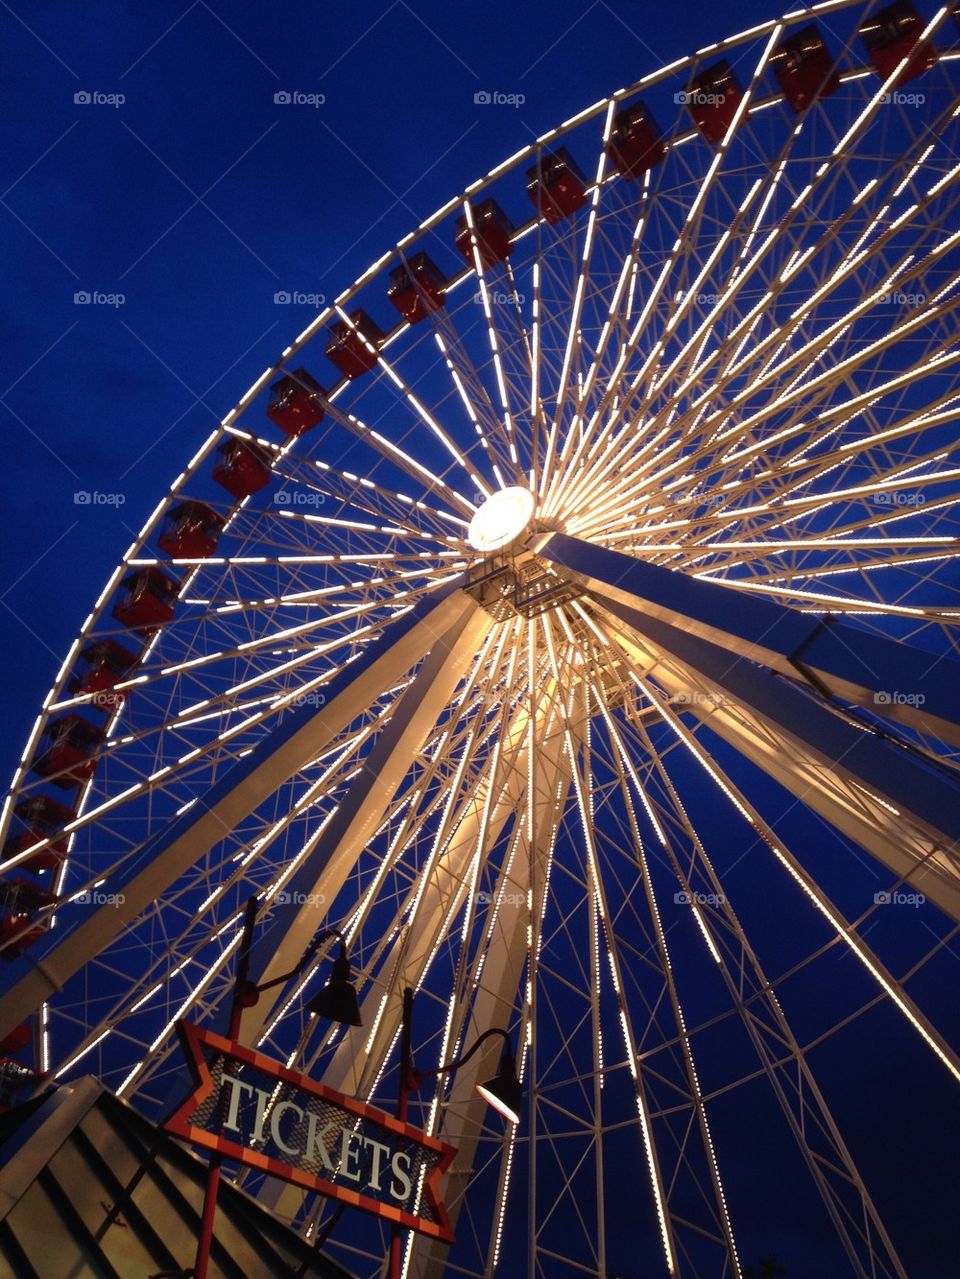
501	519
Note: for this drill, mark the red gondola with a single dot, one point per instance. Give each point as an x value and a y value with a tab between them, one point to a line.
296	402
416	288
191	531
148	600
890	35
353	347
40	816
712	100
106	663
493	230
556	186
635	144
19	900
70	758
804	68
243	469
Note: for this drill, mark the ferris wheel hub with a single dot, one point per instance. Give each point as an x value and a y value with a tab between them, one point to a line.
501	519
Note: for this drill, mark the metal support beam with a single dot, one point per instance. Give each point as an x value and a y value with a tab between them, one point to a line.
299	737
838	659
829	764
324	870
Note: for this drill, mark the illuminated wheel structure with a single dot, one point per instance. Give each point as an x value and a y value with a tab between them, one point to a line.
616	759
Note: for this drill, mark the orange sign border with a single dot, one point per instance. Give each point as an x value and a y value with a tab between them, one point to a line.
194	1038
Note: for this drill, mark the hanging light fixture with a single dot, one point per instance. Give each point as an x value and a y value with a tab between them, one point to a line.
337	1001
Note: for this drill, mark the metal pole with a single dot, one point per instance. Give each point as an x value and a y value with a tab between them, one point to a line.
406	1025
205	1240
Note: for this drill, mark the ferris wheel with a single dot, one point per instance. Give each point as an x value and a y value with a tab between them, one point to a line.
602	535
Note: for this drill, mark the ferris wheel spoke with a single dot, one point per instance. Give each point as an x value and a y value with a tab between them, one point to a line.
582	285
841	1187
758	362
472	390
655	474
806	350
613	330
721	1220
779	508
506	410
688	237
435	486
362	494
849	933
427	419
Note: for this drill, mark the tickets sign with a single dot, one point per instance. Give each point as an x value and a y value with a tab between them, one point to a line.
252	1109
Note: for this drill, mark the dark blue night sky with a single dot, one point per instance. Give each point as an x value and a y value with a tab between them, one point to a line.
187	208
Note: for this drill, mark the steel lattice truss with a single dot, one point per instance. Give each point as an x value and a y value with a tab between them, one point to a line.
731	385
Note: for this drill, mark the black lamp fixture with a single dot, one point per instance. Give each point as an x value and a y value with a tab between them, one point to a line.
337	1001
504	1092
